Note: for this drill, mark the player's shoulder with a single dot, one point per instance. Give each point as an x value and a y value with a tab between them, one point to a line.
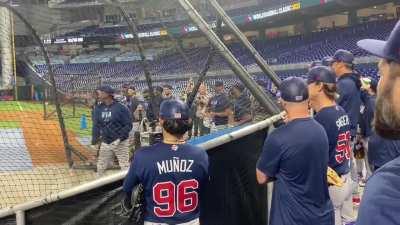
146	151
120	106
381	192
385	179
303	123
347	84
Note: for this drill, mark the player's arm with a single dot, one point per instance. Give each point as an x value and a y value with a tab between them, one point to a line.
261	177
132	178
227	109
269	162
126	122
345	93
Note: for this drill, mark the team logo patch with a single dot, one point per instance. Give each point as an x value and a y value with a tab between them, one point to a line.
177	116
298	98
174	147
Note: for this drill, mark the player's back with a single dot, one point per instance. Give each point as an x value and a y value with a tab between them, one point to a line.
305	154
337	126
172	176
301	180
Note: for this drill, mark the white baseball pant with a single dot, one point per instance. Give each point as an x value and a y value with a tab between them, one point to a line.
342	200
107	152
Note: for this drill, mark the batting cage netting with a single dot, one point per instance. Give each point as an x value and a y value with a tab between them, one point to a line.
56	54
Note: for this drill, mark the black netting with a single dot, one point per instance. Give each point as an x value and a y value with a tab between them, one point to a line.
231	197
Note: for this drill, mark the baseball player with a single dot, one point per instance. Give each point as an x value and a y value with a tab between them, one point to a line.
322	88
167	92
380	204
112	123
348	87
219	107
172	172
241	105
296	155
368	98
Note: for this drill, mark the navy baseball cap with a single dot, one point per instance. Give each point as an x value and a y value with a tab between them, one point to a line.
107	89
293	89
342	55
219	83
327	61
389	49
174	109
321	74
240	87
167	86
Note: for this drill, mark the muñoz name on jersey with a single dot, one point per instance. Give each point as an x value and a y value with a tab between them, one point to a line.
175	165
343	121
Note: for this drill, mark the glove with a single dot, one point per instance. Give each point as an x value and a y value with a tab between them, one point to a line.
359	152
333	178
132	209
126	208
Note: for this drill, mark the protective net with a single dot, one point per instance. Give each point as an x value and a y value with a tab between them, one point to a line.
56	54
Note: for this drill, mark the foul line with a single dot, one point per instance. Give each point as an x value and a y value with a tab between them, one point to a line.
20	107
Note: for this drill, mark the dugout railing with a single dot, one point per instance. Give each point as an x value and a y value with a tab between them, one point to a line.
231	197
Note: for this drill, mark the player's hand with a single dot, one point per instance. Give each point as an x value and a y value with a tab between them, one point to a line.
95	147
116	142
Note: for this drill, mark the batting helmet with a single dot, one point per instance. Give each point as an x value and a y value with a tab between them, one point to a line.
174	109
293	89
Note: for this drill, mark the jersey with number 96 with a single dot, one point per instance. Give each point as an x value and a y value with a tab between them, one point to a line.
172	176
337	126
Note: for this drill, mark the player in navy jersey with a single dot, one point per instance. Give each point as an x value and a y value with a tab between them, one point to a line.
296	155
172	172
322	87
380	203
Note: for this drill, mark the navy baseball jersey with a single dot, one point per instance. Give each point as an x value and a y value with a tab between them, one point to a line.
337	126
111	122
349	98
381	151
172	176
296	154
380	203
219	103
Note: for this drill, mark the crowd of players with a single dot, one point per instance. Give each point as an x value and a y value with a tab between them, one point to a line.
296	155
118	114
